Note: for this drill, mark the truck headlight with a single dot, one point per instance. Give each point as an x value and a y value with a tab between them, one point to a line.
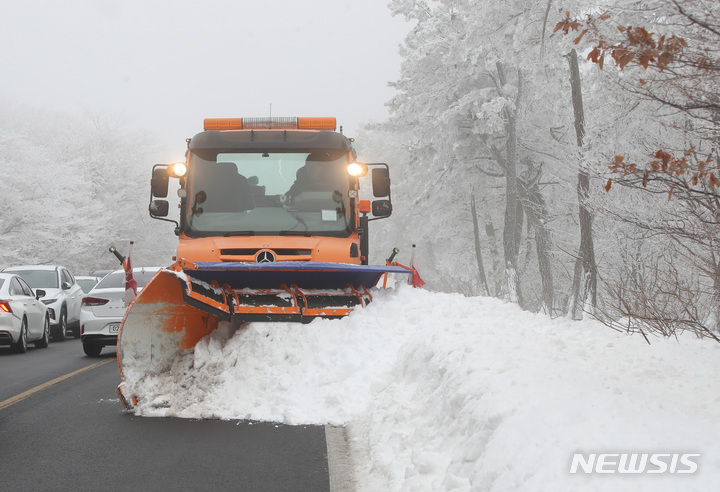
357	170
177	170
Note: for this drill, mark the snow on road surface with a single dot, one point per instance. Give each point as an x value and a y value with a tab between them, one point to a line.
445	392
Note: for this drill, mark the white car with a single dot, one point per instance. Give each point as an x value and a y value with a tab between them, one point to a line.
62	297
23	317
103	309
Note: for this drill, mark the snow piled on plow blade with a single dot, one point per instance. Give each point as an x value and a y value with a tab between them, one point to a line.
281	372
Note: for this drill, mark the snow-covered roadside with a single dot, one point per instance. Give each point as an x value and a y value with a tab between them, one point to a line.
444	392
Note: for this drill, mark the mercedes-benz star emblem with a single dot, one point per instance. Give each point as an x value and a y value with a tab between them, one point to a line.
265	256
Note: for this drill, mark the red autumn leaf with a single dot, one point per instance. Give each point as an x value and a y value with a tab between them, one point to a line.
625	59
567	25
663	156
665	59
714	181
579	38
608	185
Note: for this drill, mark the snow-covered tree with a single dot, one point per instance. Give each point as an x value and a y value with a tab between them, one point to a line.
477	115
74	186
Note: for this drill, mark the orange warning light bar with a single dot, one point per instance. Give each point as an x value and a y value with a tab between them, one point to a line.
223	123
272	123
328	123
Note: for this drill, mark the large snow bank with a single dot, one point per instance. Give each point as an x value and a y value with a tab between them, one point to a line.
444	392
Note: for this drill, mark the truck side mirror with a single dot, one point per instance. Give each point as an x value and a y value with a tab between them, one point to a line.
381	182
381	208
159	208
159	182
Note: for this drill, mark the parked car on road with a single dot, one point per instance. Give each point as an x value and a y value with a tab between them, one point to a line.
103	309
62	297
23	316
87	282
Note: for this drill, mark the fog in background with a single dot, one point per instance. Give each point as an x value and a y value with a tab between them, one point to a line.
163	66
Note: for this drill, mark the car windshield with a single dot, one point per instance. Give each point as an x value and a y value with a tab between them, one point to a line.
260	193
39	279
117	279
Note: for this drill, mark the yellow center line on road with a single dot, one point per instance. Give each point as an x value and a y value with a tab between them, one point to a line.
25	394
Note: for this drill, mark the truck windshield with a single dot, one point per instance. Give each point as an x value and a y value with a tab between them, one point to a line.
302	193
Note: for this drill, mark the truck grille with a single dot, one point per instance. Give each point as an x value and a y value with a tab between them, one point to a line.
254	251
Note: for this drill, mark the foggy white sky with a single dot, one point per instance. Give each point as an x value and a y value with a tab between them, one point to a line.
164	65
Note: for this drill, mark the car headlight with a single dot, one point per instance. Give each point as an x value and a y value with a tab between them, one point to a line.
48	301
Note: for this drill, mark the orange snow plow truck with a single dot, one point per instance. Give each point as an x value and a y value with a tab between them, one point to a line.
271	228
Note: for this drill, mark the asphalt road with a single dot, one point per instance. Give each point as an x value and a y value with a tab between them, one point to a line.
73	434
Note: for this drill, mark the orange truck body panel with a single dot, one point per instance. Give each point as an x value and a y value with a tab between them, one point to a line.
245	248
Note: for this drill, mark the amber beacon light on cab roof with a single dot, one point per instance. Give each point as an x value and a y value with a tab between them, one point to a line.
271	228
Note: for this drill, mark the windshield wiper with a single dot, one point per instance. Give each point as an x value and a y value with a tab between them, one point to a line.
239	233
295	233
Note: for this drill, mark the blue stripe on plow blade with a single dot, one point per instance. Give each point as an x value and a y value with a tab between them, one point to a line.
306	275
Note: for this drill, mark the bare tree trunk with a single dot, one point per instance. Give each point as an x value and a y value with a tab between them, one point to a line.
537	214
715	269
497	268
584	293
478	250
545	19
512	232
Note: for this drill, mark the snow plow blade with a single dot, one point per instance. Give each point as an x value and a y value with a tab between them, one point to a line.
185	302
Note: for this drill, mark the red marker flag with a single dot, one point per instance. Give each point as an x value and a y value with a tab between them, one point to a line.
130	283
415	280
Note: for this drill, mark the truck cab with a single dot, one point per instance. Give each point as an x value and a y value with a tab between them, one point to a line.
272	189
